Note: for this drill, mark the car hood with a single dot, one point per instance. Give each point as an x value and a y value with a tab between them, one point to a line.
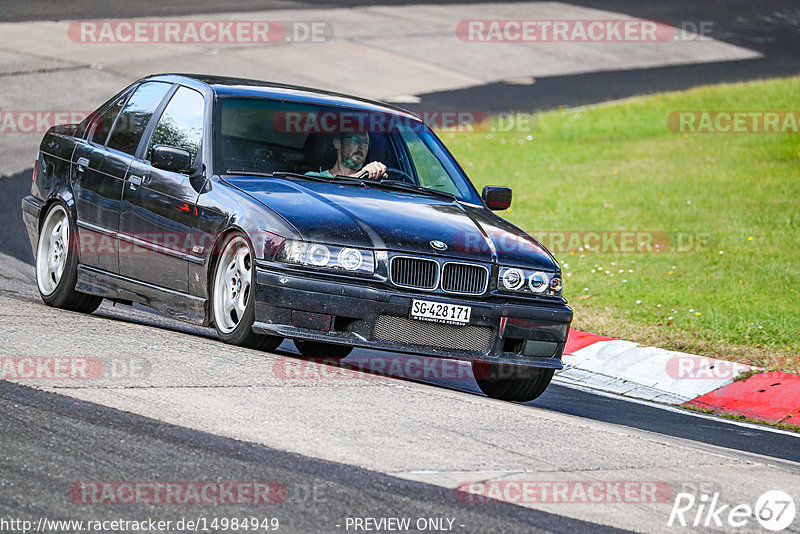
397	221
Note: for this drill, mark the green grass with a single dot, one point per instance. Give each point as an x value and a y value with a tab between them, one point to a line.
617	167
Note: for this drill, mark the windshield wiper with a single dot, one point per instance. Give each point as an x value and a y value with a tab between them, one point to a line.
405	186
248	173
396	185
289	174
335	179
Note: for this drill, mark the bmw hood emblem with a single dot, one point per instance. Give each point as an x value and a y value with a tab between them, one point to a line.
439	245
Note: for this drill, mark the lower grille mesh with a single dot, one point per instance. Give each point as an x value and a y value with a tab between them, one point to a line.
405	330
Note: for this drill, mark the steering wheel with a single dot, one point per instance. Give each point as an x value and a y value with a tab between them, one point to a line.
266	159
404	175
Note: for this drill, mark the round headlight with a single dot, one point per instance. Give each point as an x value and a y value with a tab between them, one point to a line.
513	279
293	251
319	255
350	259
537	282
555	284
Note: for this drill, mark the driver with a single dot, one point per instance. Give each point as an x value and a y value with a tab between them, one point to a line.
351	152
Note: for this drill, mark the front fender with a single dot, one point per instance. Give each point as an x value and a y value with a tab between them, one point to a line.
221	209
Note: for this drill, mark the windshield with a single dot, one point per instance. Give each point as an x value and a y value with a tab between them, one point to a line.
265	136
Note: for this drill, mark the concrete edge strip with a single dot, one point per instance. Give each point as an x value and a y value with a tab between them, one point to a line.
632	370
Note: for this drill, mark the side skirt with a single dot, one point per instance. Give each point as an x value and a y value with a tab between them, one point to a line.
113	286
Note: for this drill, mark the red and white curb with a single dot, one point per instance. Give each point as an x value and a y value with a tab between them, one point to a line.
650	373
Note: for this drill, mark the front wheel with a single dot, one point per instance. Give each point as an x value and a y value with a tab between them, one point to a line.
57	264
318	349
511	382
233	296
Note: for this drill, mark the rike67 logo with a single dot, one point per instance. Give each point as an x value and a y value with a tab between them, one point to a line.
774	510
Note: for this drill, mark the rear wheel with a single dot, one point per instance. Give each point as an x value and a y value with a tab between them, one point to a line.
57	264
233	296
511	382
318	349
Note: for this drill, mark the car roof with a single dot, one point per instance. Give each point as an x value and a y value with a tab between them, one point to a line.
230	86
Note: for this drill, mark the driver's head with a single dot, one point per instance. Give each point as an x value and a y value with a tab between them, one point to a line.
351	149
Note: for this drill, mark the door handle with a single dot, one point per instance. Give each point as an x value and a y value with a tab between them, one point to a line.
82	164
135	182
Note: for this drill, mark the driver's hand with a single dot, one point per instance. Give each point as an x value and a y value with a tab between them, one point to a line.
376	170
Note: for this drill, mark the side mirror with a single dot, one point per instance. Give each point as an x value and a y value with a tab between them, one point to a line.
171	158
497	198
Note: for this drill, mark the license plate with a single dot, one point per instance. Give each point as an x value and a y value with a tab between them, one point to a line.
440	312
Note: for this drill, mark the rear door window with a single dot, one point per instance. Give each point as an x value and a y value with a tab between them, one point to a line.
130	124
106	121
181	124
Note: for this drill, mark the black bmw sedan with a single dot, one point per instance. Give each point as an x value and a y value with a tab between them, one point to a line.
227	202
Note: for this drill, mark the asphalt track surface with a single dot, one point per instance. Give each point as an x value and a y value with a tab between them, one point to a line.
770	27
605	408
50	442
27	10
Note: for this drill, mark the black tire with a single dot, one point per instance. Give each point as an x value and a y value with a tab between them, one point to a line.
511	382
232	328
58	290
318	349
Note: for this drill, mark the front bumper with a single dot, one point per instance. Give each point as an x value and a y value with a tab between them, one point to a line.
530	334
